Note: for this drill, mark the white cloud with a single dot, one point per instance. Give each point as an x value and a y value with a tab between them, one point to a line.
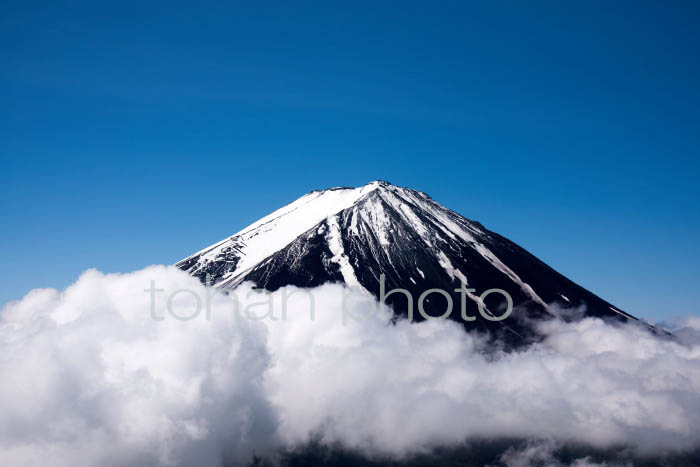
90	378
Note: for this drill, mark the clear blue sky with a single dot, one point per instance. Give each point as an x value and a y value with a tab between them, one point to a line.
134	134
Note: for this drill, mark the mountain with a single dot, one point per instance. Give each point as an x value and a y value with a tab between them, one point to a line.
353	235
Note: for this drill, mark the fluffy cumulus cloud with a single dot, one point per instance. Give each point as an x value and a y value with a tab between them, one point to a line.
90	378
105	373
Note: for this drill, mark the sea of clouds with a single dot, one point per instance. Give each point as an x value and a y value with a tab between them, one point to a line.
94	376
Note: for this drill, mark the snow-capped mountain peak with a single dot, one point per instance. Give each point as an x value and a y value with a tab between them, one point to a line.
248	247
354	235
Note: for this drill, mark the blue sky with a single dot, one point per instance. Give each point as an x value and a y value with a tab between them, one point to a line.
137	134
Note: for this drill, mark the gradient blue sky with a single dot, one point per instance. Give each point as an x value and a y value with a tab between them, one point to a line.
135	134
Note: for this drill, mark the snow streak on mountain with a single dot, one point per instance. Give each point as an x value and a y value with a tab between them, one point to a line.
353	235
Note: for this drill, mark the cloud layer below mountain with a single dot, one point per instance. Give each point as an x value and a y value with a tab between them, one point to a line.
94	376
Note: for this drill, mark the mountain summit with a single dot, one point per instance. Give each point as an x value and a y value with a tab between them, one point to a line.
354	235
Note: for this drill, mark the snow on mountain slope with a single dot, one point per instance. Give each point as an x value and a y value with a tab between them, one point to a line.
273	232
355	235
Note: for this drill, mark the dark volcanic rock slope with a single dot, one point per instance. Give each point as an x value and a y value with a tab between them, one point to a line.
353	235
